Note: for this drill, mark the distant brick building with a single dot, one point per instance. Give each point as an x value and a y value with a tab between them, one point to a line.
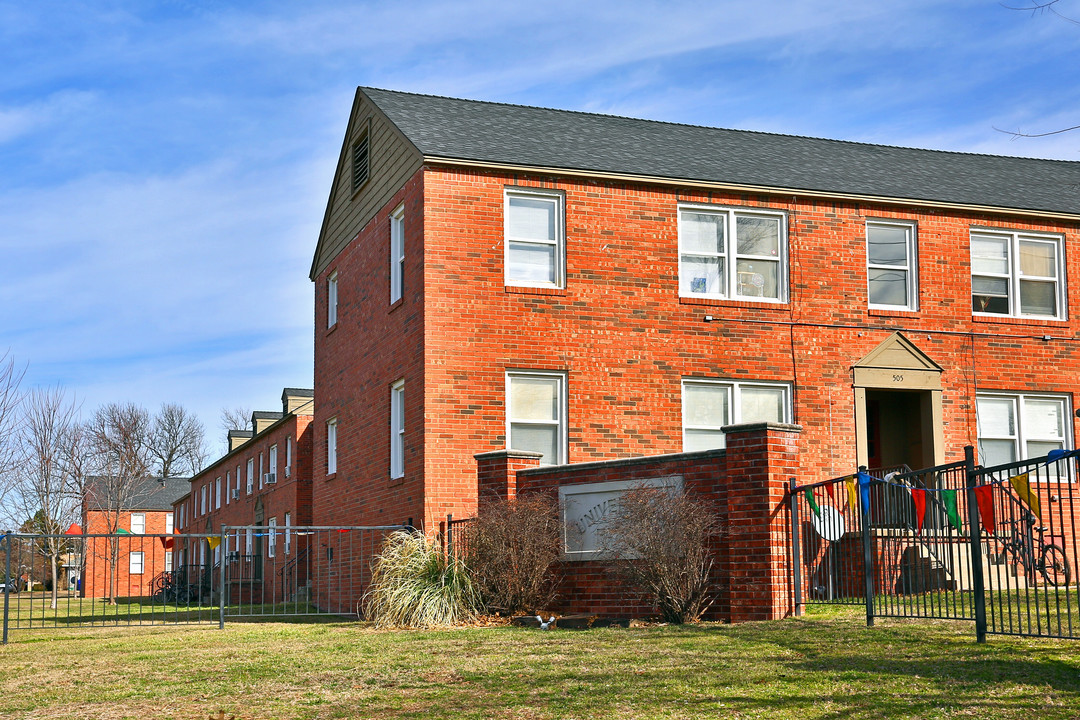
593	288
264	480
146	510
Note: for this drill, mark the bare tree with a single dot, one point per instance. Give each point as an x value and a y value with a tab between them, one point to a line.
10	398
43	490
235	418
119	441
177	442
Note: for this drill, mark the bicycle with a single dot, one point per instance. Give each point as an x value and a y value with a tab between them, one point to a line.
1050	560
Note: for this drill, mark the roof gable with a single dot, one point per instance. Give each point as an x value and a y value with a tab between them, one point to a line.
899	353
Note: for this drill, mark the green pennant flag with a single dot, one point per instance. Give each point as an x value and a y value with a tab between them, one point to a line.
813	503
948	497
122	531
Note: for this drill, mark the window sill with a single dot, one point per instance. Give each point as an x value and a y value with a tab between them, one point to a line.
1009	320
395	481
330	476
331	329
882	312
722	302
396	304
524	290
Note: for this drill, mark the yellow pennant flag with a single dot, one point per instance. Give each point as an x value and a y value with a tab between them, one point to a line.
214	542
1023	489
852	493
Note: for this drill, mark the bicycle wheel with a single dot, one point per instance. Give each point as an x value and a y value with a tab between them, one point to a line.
1054	566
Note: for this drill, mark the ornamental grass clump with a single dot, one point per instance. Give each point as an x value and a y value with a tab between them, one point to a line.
414	584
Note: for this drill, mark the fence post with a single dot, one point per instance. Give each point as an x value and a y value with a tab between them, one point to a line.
223	544
6	539
975	538
796	560
868	555
449	535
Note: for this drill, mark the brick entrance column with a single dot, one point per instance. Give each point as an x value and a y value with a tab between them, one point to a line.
760	459
496	474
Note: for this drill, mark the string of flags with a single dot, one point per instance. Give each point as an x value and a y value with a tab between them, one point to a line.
858	488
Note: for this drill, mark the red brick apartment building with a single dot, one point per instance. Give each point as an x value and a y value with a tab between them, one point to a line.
146	510
264	480
596	288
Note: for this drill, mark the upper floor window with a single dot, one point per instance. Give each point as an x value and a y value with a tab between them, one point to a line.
228	487
360	169
168	523
709	405
1017	274
136	563
1017	427
250	475
331	446
732	254
536	414
288	455
217	494
397	429
891	271
535	240
331	300
138	523
397	253
273	462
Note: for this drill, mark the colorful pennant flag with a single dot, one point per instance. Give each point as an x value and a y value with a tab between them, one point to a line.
1023	489
948	498
864	490
122	531
984	498
166	542
918	496
852	495
813	503
213	542
829	489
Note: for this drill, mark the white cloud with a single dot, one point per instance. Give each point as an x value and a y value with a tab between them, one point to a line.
39	116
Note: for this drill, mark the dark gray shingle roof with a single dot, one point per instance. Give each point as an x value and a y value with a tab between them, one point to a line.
519	135
149	493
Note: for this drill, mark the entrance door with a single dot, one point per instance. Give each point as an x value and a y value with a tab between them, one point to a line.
899	430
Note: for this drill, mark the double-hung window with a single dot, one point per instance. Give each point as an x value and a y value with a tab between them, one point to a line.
397	253
729	253
217	494
331	299
228	487
891	270
250	475
397	429
534	238
136	563
288	532
536	414
1017	427
709	405
138	523
273	462
1017	274
168	523
271	546
331	446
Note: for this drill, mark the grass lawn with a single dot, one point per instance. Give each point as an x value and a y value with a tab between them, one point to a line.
826	665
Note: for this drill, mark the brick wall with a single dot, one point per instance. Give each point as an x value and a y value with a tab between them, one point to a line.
108	566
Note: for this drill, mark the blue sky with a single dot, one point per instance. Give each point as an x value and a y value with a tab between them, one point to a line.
164	166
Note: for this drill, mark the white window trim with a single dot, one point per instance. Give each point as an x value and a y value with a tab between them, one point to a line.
228	487
397	430
204	494
912	267
288	454
217	494
271	546
562	421
134	569
169	526
250	475
734	388
273	461
288	532
1014	277
560	235
142	523
262	476
1021	439
397	253
730	256
332	300
168	560
331	445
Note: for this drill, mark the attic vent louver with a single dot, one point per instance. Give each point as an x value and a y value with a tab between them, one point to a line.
360	163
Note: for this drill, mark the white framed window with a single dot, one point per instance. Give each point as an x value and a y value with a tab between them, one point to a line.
204	493
535	240
217	494
1017	427
273	461
271	546
397	253
168	560
331	300
261	475
331	446
250	475
138	523
136	563
288	454
709	405
169	523
248	541
288	532
1017	274
228	487
892	274
536	413
181	518
732	253
397	429
238	480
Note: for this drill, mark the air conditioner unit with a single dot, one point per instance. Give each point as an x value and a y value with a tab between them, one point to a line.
269	478
288	471
235	493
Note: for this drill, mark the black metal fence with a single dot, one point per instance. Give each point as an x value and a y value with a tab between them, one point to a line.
996	546
78	581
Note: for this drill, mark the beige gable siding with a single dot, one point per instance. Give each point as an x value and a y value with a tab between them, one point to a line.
391	161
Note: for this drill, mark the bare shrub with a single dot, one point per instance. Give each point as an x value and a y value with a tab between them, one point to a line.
662	542
510	551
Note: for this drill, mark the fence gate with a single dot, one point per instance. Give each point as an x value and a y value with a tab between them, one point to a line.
996	546
122	579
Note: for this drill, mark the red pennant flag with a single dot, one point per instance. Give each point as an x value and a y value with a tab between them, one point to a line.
166	542
73	529
829	489
984	498
918	496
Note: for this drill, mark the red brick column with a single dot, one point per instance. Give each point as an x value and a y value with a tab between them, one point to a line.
760	459
496	474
